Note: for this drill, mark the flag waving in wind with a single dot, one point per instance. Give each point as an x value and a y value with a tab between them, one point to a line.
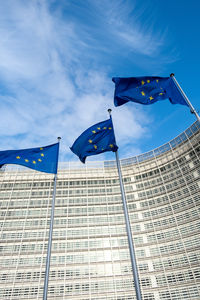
146	90
44	159
96	139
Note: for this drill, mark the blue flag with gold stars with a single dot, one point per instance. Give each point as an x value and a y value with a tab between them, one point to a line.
96	139
44	159
146	90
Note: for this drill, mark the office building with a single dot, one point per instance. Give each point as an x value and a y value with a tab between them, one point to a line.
90	256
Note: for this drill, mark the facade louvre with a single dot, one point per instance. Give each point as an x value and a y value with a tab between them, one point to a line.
90	256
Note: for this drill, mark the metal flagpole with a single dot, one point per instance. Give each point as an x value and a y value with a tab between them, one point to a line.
193	111
128	230
46	281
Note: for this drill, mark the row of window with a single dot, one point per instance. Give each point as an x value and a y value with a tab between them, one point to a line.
174	233
176	246
43	184
77	272
155	201
172	165
194	187
163	179
64	192
189	293
189	215
81	257
101	220
178	261
69	221
69	245
84	232
105	255
75	288
73	274
102	199
103	287
178	277
169	208
69	233
62	201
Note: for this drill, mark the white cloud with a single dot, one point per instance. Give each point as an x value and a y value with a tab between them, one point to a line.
122	19
54	83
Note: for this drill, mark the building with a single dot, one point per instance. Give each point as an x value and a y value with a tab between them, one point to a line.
90	257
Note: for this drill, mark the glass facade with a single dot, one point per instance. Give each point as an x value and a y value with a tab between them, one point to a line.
90	256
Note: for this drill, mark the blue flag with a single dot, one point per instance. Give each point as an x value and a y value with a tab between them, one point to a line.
146	90
96	139
44	159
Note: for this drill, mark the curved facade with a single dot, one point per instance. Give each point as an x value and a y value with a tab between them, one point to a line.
90	256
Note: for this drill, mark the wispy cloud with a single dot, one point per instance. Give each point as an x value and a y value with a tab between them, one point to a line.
54	76
122	19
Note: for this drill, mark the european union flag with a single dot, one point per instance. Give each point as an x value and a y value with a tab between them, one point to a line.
96	139
146	90
44	159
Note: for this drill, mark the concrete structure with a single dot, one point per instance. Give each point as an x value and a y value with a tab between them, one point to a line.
90	256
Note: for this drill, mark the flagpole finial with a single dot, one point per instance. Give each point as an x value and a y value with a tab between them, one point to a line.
172	75
109	111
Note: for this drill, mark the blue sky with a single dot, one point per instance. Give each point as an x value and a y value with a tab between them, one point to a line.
57	59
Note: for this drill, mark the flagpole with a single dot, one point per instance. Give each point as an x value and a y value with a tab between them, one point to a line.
46	281
128	229
193	111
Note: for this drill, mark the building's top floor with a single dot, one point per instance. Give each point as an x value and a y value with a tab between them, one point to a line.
98	166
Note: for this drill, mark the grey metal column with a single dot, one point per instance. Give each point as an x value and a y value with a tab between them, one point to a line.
193	111
128	230
46	281
129	234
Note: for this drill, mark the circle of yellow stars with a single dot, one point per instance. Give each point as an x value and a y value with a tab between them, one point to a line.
33	161
95	131
150	97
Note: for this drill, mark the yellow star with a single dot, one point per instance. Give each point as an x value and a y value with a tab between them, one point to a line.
111	145
143	93
90	141
148	81
42	154
26	160
41	148
105	128
95	146
39	160
17	157
93	131
151	98
98	128
142	82
34	162
109	128
161	94
157	80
